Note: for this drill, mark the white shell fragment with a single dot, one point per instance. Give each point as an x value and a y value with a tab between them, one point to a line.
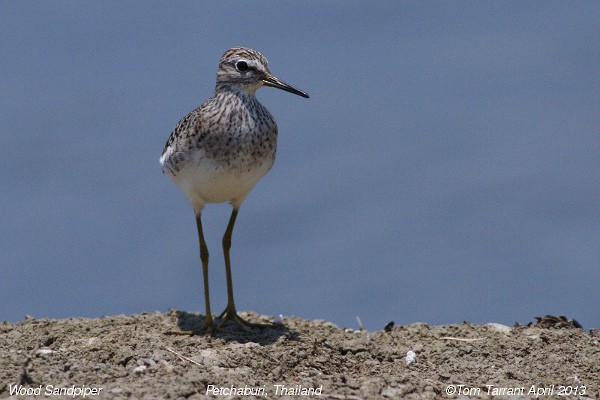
45	351
411	358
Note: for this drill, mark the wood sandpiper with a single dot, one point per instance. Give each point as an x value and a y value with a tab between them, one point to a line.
220	150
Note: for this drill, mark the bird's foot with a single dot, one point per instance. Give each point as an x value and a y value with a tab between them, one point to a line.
230	314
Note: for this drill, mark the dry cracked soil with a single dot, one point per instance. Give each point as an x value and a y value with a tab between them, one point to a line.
134	357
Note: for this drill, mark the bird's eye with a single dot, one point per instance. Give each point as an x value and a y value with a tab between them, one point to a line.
241	66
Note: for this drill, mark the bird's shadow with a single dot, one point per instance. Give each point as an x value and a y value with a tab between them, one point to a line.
232	333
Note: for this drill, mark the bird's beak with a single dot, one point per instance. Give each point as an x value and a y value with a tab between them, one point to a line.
271	81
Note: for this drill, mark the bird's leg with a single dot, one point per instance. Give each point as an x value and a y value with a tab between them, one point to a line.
208	321
230	312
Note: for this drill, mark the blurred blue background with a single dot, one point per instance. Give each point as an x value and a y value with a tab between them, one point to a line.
445	168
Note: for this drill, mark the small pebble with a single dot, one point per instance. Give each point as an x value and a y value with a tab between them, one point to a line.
278	320
139	369
493	326
388	327
166	366
44	351
148	362
411	358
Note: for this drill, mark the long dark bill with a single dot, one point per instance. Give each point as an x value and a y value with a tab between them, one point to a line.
279	84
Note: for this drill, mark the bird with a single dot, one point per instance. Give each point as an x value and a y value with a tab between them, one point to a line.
220	150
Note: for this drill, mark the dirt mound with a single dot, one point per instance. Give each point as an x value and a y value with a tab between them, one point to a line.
122	357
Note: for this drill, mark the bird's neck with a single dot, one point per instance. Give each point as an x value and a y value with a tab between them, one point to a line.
238	100
236	90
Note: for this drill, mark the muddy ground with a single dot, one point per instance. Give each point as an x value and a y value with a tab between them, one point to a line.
131	357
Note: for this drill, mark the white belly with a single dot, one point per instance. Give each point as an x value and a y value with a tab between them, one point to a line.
206	181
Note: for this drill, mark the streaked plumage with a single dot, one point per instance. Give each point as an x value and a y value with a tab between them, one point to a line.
219	151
